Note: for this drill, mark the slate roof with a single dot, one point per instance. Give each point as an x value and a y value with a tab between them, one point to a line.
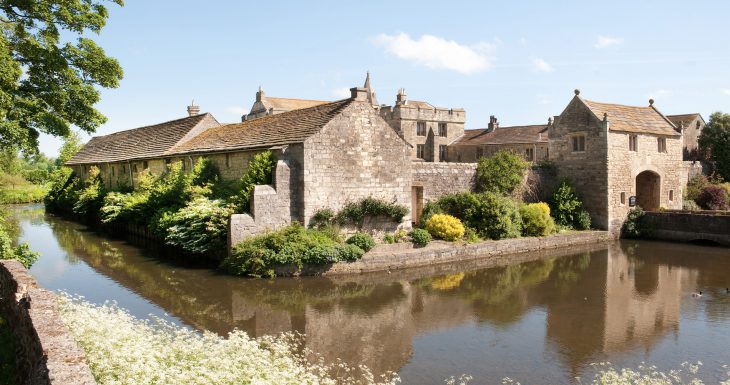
268	131
290	104
632	118
138	143
419	104
505	135
683	118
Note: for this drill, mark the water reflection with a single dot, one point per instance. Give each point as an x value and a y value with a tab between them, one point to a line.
541	320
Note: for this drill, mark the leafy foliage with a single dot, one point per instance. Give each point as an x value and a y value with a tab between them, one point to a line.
635	225
260	172
362	240
713	197
714	141
496	217
690	205
21	253
91	197
501	173
446	227
695	186
420	237
48	83
200	227
567	208
356	212
258	256
536	220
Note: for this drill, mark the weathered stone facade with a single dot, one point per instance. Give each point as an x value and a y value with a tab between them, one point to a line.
691	126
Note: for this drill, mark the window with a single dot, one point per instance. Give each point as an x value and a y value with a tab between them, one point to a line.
579	143
623	198
420	150
421	128
442	153
530	154
662	144
671	195
480	152
228	160
124	169
697	126
134	168
146	165
112	170
442	129
633	143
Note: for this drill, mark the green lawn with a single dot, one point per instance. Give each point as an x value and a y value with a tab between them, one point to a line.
7	354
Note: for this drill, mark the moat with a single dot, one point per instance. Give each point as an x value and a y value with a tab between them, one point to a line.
537	322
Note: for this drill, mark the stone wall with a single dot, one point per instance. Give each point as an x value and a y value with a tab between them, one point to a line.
468	153
689	226
690	170
271	207
439	179
45	351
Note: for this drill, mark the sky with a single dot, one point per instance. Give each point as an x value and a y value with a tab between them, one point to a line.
517	60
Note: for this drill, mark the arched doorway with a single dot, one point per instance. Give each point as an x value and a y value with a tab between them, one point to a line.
648	190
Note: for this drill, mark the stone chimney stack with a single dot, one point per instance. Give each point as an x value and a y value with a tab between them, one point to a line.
193	109
493	123
260	94
401	98
359	94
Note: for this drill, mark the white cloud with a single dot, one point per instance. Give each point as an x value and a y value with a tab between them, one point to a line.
438	53
541	65
343	92
607	41
726	91
658	93
236	110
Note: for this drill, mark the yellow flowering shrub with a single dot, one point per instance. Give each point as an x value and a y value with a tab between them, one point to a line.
446	227
536	220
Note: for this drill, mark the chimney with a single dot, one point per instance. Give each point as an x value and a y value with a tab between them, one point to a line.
401	98
193	109
260	94
493	123
359	94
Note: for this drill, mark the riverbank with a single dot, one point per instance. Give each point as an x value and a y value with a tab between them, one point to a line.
390	257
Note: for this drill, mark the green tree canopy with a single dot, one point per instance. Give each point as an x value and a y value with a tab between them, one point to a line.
715	143
501	173
48	83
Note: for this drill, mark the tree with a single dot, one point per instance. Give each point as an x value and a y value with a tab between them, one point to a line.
501	173
715	143
48	83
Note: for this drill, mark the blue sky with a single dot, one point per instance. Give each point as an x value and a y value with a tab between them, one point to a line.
517	60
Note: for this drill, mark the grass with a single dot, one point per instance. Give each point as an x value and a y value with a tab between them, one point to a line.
7	354
26	193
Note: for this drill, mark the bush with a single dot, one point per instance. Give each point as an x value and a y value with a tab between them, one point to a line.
567	208
536	220
446	227
200	227
322	218
713	197
389	238
690	205
501	173
258	256
695	187
20	253
356	212
471	235
362	240
635	225
496	217
260	172
91	198
420	237
583	220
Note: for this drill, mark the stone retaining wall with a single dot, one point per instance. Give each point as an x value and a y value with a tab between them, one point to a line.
402	256
685	226
439	179
45	351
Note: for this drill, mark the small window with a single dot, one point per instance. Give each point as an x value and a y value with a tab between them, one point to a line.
146	165
421	128
480	153
442	129
443	152
228	160
420	151
112	170
623	198
671	195
124	169
167	162
662	144
697	126
530	154
134	168
579	143
633	143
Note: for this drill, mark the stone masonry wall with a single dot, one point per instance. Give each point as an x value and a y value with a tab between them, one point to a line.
355	156
439	179
468	153
404	118
45	351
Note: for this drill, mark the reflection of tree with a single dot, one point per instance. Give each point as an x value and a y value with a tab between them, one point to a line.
569	269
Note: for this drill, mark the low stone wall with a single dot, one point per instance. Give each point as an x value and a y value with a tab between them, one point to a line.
691	169
402	256
687	226
442	178
45	351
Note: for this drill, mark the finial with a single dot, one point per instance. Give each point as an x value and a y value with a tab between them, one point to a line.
577	92
261	88
651	102
192	103
550	121
605	116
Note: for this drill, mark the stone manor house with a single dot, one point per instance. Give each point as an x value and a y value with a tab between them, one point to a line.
333	152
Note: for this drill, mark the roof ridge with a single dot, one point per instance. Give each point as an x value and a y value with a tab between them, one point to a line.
152	125
612	104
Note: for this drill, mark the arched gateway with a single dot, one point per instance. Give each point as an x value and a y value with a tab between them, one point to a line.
648	190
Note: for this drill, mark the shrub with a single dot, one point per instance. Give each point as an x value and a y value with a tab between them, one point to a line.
321	218
496	217
429	209
500	173
446	227
389	238
583	220
200	227
713	197
91	197
362	240
20	253
690	205
420	237
635	225
536	220
356	212
471	235
566	207
695	187
461	205
260	171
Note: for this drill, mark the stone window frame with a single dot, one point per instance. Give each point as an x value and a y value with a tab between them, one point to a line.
661	144
124	169
443	152
575	143
421	128
530	154
421	151
671	195
134	167
145	164
633	143
622	198
228	160
443	129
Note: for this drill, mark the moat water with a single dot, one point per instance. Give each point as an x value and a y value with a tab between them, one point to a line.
539	322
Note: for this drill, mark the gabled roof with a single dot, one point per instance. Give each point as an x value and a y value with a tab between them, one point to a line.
143	142
505	135
419	104
268	131
684	118
290	104
631	118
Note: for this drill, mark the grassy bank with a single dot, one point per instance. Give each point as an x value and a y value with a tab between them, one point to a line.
25	193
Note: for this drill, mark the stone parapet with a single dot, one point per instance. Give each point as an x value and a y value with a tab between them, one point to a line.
46	353
687	226
439	179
